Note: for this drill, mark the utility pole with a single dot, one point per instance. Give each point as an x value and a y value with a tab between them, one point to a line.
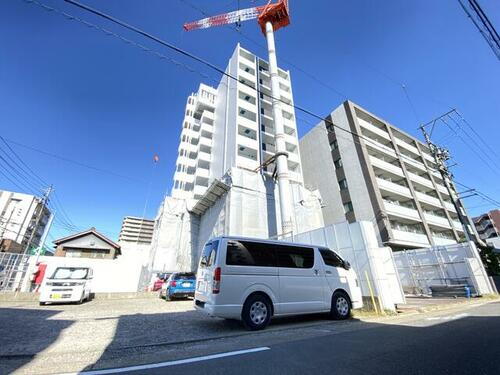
441	156
42	204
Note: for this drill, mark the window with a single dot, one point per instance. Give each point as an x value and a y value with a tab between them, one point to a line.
294	256
331	258
343	184
245	253
209	254
348	207
334	145
338	163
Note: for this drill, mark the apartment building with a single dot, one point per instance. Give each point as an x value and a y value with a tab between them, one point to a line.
19	214
137	230
488	224
384	176
232	126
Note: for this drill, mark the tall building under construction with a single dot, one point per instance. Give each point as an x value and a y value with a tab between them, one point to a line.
225	176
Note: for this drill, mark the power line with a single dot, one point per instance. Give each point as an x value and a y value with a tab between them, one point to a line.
63	158
23	163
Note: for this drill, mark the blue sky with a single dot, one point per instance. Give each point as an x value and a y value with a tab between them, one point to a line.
75	92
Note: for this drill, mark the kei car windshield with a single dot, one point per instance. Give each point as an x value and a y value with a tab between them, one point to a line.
70	273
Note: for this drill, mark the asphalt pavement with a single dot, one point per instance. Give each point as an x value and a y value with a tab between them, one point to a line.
169	337
460	341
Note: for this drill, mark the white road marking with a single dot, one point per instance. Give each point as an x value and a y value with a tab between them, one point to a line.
171	363
451	317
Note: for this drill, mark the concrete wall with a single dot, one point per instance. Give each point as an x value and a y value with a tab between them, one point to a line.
110	275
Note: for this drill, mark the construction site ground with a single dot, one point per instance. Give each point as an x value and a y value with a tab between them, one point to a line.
116	332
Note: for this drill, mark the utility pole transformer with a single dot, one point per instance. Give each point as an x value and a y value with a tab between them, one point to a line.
271	17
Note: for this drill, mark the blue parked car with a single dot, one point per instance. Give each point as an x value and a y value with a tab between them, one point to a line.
179	285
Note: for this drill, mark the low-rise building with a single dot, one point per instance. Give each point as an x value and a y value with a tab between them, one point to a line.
87	244
23	219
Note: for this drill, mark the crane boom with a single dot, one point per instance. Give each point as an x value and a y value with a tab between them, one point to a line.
224	19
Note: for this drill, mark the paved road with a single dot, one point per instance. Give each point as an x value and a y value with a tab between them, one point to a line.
460	341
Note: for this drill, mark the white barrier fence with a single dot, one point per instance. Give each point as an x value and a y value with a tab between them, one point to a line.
357	243
458	264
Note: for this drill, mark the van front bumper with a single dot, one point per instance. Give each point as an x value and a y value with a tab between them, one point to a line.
220	311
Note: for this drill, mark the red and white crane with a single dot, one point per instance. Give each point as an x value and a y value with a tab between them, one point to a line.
271	17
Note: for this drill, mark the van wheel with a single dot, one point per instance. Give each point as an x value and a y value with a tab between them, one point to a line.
256	312
341	306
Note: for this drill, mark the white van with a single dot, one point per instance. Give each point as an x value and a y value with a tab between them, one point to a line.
253	279
67	284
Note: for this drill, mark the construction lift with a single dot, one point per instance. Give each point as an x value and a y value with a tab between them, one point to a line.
271	17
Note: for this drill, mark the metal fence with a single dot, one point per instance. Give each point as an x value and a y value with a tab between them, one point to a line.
421	269
13	271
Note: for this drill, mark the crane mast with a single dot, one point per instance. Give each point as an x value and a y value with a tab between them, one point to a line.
271	17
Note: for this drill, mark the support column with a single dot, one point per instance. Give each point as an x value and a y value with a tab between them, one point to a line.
285	196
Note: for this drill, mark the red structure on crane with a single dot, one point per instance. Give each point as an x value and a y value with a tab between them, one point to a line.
275	13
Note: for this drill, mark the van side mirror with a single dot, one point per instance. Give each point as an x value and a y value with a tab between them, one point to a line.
346	265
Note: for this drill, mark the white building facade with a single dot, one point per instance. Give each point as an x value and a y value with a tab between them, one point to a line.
23	219
220	186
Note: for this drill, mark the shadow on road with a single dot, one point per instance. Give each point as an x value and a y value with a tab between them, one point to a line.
18	348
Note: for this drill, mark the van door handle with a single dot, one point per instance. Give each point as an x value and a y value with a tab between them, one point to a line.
316	272
329	272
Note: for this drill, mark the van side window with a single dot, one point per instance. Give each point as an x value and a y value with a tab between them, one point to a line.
330	258
294	256
246	253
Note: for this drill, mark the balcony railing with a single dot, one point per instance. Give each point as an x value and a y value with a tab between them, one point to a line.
374	129
393	188
429	199
402	211
386	166
410	237
437	220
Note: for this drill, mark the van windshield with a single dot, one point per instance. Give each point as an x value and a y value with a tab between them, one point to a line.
70	273
209	254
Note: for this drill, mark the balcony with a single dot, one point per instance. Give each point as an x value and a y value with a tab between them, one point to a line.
246	76
401	211
374	129
205	142
202	173
429	199
205	156
421	180
410	238
206	130
414	163
247	105
184	160
189	147
457	225
184	177
199	190
376	162
442	189
380	147
246	163
437	220
190	133
407	146
440	241
393	188
449	206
